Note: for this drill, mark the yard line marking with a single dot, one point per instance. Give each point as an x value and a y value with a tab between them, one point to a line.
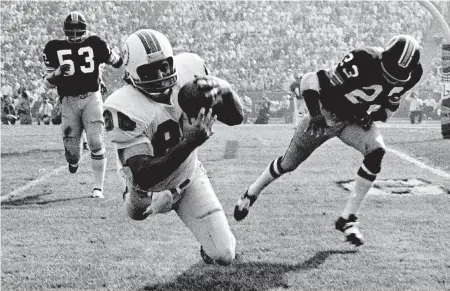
420	164
17	192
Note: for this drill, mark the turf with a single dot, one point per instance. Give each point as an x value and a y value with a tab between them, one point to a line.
54	237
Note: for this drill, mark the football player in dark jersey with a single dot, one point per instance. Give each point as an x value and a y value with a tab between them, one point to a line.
72	66
338	101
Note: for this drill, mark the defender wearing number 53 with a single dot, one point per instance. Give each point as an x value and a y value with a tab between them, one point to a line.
72	66
338	101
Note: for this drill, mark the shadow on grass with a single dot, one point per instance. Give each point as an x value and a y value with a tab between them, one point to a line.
241	275
36	200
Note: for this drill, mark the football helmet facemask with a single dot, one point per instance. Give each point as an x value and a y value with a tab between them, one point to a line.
399	58
75	26
149	63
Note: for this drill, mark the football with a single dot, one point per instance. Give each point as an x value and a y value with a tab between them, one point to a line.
191	99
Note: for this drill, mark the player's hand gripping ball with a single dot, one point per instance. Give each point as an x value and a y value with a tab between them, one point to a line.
204	91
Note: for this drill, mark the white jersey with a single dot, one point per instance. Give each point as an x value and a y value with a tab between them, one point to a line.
136	119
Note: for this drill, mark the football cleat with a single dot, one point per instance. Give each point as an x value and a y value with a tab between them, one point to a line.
207	259
97	193
350	229
85	146
73	168
243	206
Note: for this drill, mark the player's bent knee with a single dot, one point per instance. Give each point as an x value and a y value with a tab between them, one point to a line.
373	160
72	150
95	143
224	256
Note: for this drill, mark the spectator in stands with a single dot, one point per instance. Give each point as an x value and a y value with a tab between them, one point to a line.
45	112
264	111
9	114
24	107
284	111
305	35
247	104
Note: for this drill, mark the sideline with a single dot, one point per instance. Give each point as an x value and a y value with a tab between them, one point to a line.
420	164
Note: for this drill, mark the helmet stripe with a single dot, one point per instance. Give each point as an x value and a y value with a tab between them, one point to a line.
150	43
75	17
155	41
408	52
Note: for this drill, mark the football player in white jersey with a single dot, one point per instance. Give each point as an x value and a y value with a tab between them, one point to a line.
157	143
338	101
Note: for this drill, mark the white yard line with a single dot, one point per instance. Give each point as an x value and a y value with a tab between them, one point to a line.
420	164
18	193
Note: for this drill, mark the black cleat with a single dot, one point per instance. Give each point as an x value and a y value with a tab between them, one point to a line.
207	259
85	146
73	169
350	229
243	205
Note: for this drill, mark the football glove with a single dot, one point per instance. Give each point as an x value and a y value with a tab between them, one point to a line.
379	115
317	125
62	70
214	87
365	121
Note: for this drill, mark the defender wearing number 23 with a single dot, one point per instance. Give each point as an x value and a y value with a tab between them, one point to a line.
340	103
157	142
72	66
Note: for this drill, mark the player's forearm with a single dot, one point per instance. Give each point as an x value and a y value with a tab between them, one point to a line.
51	80
381	114
232	112
148	171
312	102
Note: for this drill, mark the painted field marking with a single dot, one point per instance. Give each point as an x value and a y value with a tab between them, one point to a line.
231	149
420	164
17	193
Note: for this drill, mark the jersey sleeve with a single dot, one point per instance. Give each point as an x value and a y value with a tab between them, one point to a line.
106	54
125	131
50	58
347	75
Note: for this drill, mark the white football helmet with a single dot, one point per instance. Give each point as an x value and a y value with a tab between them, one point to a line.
144	52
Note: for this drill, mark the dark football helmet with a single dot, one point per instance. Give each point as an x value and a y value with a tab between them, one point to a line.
399	58
75	26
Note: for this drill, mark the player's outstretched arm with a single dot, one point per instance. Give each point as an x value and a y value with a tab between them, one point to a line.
148	170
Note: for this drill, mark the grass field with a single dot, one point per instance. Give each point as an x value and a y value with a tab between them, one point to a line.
54	237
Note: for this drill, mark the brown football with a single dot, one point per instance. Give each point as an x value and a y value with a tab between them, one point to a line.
191	99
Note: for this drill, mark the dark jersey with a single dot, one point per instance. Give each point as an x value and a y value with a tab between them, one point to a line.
84	58
358	82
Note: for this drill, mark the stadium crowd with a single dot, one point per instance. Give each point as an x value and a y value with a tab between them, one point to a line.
257	46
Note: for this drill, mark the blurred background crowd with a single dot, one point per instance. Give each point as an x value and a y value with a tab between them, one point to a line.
258	46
